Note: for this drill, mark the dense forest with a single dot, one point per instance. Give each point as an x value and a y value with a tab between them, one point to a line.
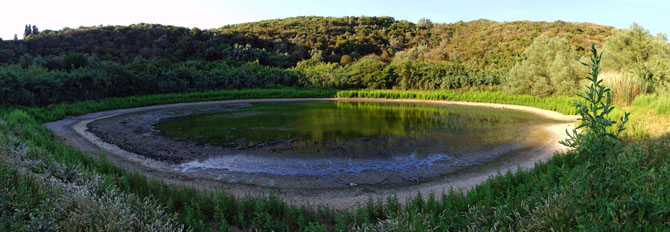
345	52
285	42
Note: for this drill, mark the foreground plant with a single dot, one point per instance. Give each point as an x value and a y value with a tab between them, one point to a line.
597	135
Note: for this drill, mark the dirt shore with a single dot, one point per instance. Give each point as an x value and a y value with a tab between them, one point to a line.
74	132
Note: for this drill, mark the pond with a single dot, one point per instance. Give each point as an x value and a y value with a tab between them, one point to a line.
317	144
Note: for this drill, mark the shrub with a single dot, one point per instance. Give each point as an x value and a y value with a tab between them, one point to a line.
74	60
549	67
368	72
329	75
636	51
412	54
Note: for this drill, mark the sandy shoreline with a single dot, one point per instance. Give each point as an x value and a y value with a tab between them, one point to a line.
73	131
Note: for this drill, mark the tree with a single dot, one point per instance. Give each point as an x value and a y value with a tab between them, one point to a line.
195	32
368	73
412	54
35	30
635	50
425	23
550	67
27	31
345	60
316	55
16	37
74	60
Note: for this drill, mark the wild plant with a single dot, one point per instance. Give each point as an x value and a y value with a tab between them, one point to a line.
596	135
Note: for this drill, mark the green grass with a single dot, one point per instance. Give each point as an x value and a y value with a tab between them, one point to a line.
559	104
39	173
658	103
60	111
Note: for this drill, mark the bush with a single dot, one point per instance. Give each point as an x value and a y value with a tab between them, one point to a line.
74	60
368	72
636	51
36	85
549	67
372	72
328	75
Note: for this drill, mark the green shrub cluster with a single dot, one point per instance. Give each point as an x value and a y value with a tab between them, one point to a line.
373	73
637	52
549	67
38	85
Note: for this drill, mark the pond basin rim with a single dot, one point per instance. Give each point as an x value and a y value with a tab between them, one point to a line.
72	131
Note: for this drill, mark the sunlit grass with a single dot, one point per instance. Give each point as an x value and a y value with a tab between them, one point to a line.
561	104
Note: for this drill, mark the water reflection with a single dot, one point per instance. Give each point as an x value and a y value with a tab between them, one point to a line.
352	130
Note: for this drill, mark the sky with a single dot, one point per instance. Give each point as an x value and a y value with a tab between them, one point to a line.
653	15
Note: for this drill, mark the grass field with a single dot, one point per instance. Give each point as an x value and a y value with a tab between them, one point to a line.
45	185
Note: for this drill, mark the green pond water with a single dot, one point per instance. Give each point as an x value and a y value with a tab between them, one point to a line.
351	129
327	144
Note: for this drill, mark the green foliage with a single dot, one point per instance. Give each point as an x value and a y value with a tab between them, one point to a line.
599	135
350	52
372	72
412	54
326	75
249	54
368	72
549	67
636	51
59	111
560	104
477	44
659	104
35	85
45	187
74	60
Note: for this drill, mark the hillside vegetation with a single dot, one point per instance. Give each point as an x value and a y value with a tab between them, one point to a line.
347	52
284	42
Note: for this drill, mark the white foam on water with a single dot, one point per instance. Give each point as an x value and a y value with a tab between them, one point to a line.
295	166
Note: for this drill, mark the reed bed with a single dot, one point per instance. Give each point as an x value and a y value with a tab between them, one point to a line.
624	87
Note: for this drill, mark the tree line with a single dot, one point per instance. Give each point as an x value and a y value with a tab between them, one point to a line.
535	58
285	42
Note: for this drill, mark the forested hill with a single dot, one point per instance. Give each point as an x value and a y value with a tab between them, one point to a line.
482	42
285	42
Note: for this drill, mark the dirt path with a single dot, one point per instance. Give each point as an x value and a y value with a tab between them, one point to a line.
73	132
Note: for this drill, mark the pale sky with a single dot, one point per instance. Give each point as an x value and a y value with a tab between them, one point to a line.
653	15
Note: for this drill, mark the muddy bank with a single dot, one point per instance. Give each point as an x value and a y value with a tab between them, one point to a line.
75	132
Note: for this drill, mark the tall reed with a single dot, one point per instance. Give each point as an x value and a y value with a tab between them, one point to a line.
624	87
